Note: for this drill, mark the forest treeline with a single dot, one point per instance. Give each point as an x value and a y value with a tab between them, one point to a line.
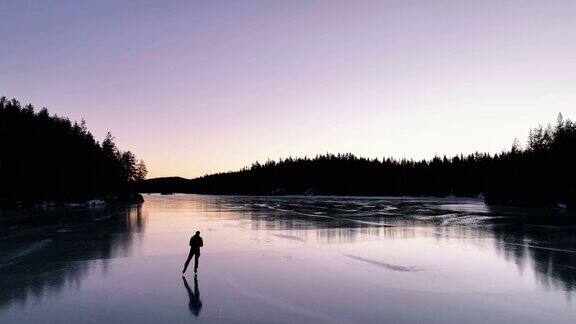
540	174
44	157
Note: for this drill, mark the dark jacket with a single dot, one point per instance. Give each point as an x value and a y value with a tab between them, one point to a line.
196	242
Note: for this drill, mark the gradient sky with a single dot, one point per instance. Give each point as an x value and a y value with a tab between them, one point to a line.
195	87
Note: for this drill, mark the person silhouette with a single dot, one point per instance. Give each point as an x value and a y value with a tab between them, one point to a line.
195	244
194	302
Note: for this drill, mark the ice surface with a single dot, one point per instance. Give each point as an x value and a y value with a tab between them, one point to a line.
290	259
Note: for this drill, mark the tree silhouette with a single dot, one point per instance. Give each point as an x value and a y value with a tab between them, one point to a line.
542	174
141	171
49	158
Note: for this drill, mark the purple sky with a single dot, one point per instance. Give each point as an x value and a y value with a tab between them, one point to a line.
195	87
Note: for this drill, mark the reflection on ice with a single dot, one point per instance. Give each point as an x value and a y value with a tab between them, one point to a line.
194	302
542	238
45	261
291	259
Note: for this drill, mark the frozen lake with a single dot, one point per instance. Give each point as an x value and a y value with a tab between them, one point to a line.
290	259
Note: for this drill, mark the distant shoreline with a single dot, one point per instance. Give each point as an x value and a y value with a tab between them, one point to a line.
540	174
128	198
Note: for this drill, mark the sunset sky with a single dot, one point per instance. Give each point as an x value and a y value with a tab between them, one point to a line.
196	87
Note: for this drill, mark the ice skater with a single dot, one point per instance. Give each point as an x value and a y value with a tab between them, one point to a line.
195	244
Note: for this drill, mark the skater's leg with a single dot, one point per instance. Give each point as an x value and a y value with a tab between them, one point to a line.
197	255
190	254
